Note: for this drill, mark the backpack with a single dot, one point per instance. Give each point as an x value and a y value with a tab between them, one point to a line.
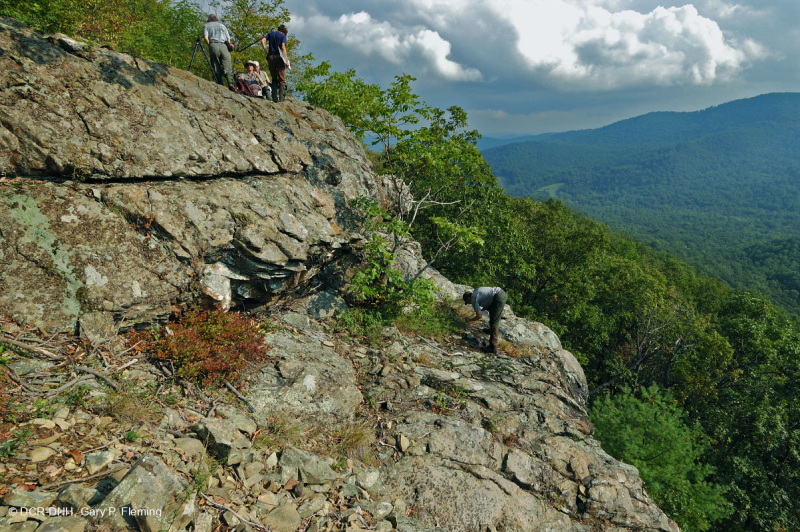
242	87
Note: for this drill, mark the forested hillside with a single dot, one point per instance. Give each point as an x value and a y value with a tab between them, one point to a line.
719	188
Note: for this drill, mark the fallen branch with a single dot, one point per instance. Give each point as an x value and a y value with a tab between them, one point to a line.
32	349
126	365
240	397
16	378
211	502
115	440
67	386
210	413
98	375
131	348
456	354
107	472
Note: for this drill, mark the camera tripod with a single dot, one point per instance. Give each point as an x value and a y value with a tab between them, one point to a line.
199	44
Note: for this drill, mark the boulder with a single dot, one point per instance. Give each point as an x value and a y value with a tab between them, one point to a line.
308	378
96	461
146	498
28	499
220	436
283	519
73	497
307	467
240	420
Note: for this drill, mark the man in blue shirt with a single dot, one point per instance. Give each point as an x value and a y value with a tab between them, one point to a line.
278	61
219	44
493	299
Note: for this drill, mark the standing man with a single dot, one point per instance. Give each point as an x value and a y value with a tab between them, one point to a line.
219	44
278	61
494	300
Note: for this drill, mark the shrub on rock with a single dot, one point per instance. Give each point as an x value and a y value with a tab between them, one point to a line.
209	347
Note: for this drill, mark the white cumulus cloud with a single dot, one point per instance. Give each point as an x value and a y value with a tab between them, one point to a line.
575	41
608	44
364	35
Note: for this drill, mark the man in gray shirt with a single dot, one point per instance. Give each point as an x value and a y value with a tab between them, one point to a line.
219	43
494	300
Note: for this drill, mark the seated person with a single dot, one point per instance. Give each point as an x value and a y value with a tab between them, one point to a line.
262	75
252	78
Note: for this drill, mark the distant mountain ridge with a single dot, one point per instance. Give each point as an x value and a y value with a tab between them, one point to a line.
486	143
712	187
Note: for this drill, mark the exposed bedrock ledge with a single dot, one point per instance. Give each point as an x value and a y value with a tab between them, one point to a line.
131	250
68	109
265	205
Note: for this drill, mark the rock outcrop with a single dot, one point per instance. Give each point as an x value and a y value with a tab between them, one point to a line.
128	237
130	187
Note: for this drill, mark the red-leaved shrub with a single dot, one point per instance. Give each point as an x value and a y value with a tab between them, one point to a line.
207	346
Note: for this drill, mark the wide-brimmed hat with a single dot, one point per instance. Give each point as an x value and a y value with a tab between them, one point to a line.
254	63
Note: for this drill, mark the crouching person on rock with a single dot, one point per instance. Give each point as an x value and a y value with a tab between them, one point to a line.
494	300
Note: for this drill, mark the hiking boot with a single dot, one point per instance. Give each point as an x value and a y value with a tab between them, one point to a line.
283	93
494	339
275	90
489	348
487	330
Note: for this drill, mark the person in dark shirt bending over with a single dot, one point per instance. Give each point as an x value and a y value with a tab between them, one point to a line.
494	300
278	61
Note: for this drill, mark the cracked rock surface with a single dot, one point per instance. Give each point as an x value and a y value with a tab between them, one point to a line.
127	238
69	109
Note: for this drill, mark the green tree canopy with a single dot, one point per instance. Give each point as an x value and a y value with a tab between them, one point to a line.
649	431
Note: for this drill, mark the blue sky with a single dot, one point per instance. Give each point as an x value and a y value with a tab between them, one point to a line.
533	66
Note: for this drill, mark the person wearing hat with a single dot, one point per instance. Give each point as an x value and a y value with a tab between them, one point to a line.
263	78
278	60
252	78
494	300
219	44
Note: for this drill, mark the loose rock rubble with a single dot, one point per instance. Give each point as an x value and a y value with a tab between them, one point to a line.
453	442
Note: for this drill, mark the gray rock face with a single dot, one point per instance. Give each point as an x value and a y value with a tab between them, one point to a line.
147	497
306	467
469	442
309	379
106	114
92	254
549	475
221	437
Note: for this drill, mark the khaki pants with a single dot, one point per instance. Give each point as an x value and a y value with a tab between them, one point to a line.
221	63
496	308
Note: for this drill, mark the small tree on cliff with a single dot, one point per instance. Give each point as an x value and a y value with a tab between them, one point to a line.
437	173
